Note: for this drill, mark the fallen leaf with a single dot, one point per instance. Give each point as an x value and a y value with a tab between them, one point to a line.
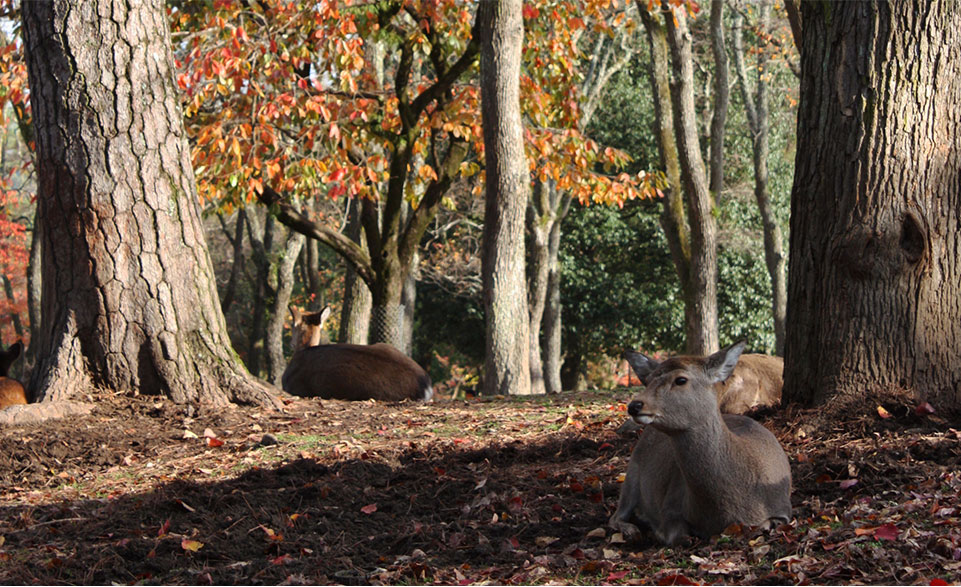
189	434
191	545
887	532
848	483
369	509
675	579
883	413
617	538
597	533
545	541
924	409
617	576
214	442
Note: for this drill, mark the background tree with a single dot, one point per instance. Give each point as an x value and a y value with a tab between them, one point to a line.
129	298
875	232
500	31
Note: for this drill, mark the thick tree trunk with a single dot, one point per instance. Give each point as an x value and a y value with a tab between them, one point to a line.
874	289
129	294
702	331
260	233
500	29
755	104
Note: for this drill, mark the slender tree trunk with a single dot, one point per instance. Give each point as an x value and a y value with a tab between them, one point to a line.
703	333
721	97
874	289
540	220
237	262
757	115
500	28
355	315
129	293
552	313
274	341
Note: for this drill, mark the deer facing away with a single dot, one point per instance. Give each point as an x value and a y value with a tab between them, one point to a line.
12	392
756	382
695	471
349	371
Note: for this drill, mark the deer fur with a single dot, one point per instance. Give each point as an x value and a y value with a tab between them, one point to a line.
349	371
756	382
695	471
12	392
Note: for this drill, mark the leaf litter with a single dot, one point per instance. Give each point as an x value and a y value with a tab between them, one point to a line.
491	491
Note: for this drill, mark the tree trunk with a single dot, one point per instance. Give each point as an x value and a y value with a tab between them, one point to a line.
237	262
274	340
355	315
757	115
721	98
129	294
875	230
702	331
34	286
500	28
261	237
540	219
552	314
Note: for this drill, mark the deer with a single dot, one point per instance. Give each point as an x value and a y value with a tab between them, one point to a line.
756	383
12	392
695	471
349	371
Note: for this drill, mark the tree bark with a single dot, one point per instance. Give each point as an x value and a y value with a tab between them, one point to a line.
553	360
703	331
274	340
721	98
755	104
355	315
500	29
874	294
129	294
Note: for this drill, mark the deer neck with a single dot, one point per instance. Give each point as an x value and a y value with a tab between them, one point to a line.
704	452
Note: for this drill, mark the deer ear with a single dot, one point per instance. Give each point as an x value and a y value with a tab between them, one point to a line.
642	365
295	314
324	315
720	365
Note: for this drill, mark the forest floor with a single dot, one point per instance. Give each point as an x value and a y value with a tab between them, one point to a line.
495	491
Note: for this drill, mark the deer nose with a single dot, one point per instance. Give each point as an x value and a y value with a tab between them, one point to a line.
635	408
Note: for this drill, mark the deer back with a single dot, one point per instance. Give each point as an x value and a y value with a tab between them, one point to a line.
756	382
695	471
349	371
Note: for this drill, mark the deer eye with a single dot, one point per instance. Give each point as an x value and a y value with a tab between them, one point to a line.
680	381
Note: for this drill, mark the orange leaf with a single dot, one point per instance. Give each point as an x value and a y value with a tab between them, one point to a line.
191	545
883	413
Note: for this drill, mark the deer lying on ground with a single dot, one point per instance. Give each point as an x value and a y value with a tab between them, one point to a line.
694	471
349	371
12	392
756	382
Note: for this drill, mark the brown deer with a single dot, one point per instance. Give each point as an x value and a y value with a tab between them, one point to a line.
694	471
12	392
756	382
349	371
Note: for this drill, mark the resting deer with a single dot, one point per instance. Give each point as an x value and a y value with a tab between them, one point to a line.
349	371
695	471
756	382
12	392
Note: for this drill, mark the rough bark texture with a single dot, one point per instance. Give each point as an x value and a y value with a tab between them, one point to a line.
501	32
552	312
874	292
755	104
129	294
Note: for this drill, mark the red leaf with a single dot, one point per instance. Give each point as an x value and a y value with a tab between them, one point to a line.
887	532
617	576
369	509
605	446
938	582
924	410
164	528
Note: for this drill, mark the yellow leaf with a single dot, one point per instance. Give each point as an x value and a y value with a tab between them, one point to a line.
191	545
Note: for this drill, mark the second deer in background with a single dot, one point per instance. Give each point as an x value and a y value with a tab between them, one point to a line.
349	371
12	392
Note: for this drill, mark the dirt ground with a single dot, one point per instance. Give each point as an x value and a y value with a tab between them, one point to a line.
502	491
